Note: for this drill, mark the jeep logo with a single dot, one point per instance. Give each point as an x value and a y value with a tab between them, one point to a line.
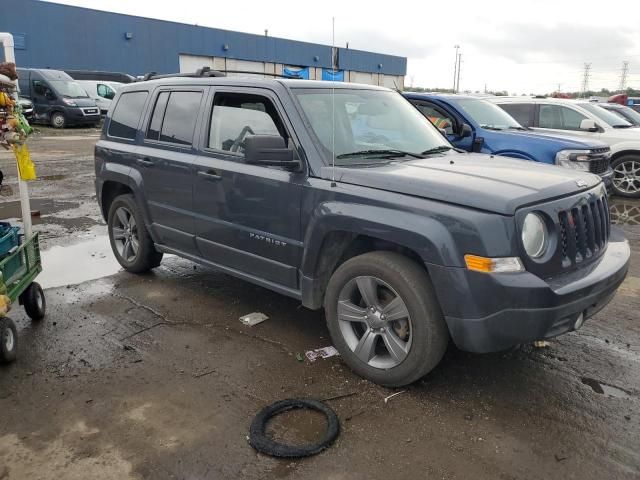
581	183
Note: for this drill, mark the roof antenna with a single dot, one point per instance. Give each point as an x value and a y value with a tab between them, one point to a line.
333	102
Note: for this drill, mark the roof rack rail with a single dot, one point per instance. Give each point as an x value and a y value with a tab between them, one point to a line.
207	72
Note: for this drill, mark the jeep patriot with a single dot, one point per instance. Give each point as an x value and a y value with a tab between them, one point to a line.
344	197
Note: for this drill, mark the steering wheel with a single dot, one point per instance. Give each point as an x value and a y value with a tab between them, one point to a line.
238	142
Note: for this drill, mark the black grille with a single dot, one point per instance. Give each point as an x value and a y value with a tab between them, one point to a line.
599	160
599	166
584	231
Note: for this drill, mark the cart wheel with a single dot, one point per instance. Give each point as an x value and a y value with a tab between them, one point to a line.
34	302
8	340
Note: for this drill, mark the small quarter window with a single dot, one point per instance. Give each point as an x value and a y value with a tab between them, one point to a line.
126	115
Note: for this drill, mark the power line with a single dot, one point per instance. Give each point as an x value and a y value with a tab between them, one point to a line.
623	76
585	78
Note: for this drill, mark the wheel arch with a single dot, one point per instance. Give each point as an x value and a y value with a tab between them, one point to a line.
623	153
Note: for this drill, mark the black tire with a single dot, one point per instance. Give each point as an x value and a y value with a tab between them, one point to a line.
262	443
8	340
34	301
429	333
625	185
58	120
147	257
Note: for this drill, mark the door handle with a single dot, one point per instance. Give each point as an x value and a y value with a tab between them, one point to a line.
145	162
209	175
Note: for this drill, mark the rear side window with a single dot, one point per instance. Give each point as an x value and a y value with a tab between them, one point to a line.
126	115
522	112
174	117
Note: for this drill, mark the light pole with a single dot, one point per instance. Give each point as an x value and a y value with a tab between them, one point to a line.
458	79
455	68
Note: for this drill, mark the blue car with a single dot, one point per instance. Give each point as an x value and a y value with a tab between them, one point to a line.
475	125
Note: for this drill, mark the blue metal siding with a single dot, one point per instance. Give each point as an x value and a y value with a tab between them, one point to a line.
65	37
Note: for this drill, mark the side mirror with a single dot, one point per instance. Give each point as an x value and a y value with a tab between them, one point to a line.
465	131
588	125
269	150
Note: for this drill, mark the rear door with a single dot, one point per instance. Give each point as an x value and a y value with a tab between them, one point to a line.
165	162
248	216
524	113
561	119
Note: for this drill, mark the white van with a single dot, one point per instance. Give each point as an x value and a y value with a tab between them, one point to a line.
101	91
584	119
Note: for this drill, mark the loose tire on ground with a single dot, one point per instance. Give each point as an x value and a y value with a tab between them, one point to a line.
58	120
8	340
259	440
626	176
427	337
34	301
124	213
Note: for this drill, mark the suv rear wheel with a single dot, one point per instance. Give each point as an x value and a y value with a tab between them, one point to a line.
384	318
130	240
626	176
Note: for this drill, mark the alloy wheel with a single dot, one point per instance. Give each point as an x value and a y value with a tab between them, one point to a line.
626	176
125	234
374	322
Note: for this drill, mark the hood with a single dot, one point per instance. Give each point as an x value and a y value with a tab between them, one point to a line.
85	102
562	141
494	184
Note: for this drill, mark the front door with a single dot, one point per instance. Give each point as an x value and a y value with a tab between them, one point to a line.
248	216
165	161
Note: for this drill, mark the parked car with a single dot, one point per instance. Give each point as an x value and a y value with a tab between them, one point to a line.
587	120
27	108
623	112
57	98
375	216
475	125
101	92
105	76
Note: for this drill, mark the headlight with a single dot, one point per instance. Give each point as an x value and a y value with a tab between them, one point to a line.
69	102
574	159
534	235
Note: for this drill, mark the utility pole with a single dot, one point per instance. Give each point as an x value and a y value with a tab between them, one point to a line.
458	79
623	77
455	68
585	79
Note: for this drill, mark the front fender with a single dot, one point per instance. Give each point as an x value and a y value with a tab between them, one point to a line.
630	147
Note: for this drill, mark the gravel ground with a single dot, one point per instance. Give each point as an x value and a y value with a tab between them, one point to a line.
154	377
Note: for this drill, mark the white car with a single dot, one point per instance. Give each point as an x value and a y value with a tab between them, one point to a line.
101	91
585	119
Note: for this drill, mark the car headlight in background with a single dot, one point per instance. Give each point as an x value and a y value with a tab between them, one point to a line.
574	159
534	235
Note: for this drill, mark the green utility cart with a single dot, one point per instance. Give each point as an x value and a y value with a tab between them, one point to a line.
19	266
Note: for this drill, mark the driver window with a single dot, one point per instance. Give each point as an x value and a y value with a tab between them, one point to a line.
437	117
236	116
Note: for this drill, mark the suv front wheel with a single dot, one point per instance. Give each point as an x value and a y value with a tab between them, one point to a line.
626	176
384	318
130	240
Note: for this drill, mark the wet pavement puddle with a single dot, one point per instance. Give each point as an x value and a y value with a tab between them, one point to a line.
11	211
604	389
72	264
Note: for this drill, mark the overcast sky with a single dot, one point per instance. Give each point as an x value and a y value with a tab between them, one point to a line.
520	46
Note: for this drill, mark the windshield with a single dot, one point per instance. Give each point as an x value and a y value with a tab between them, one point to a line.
488	115
628	114
605	115
370	125
68	89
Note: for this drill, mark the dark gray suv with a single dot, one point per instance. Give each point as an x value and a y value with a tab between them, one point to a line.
345	197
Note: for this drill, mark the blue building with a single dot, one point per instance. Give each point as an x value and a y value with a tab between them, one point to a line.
50	35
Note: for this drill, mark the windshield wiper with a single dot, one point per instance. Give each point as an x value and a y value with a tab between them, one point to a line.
491	127
438	149
522	129
621	126
383	153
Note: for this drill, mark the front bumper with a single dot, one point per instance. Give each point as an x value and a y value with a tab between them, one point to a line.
492	312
